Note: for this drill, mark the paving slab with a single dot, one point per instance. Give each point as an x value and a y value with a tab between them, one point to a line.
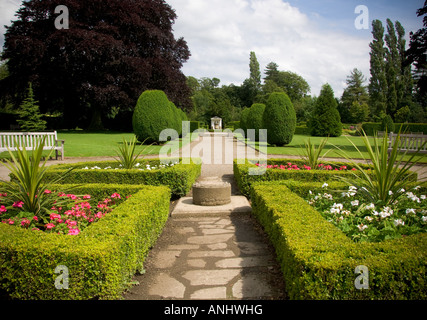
185	206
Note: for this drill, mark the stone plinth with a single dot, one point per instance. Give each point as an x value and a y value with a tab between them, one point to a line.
211	192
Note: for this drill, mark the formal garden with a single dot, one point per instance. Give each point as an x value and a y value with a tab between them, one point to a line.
337	185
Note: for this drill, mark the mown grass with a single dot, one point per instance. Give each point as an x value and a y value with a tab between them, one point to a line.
295	148
101	144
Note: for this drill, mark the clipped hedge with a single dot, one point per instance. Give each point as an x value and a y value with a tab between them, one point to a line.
318	261
371	127
178	178
101	260
245	180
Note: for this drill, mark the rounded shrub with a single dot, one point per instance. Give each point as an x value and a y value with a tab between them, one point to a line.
279	119
254	118
243	117
326	120
387	124
153	113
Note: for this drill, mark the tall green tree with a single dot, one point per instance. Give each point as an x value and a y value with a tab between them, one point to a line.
112	52
30	118
326	120
354	100
417	55
255	73
392	68
378	81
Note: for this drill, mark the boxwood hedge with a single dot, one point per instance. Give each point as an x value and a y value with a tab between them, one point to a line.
178	178
101	260
245	180
318	261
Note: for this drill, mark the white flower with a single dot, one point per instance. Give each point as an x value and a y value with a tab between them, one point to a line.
375	213
335	210
345	212
137	165
325	185
390	192
355	203
370	206
424	218
362	227
398	222
369	218
410	211
423	197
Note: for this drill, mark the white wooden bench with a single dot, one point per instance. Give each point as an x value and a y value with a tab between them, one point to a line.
18	140
409	142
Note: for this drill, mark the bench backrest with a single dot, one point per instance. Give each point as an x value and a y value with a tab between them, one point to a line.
28	139
409	141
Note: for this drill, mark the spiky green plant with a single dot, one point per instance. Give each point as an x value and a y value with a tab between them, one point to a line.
127	155
312	154
28	183
390	174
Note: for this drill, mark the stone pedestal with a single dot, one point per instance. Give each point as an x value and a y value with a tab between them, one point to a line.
211	192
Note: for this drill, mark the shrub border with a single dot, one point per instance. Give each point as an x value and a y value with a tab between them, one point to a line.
178	178
244	180
318	261
101	260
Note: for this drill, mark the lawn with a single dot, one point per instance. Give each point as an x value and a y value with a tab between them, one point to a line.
101	144
296	147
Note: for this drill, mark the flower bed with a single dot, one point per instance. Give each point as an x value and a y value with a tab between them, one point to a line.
362	220
178	177
100	260
70	217
285	169
318	260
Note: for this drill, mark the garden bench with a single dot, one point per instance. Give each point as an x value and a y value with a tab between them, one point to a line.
16	140
409	142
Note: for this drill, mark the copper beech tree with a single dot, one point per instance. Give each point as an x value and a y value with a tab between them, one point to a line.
97	67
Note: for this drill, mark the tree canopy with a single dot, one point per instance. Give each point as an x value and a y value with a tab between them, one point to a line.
95	70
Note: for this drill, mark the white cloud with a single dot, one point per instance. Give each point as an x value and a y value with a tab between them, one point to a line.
8	9
221	34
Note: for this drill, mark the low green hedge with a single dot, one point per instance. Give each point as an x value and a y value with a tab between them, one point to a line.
244	179
318	261
101	260
178	178
371	127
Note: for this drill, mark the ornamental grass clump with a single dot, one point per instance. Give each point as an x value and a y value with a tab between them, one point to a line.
313	155
390	174
127	156
28	187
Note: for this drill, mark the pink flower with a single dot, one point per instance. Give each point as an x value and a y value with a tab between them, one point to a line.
25	223
11	221
47	191
50	226
54	216
71	223
35	218
73	232
3	209
18	204
115	195
86	196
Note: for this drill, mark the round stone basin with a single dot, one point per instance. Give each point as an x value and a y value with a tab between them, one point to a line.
211	192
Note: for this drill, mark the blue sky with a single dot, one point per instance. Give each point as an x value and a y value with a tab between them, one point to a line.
314	38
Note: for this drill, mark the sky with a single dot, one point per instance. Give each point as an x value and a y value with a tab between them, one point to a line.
317	39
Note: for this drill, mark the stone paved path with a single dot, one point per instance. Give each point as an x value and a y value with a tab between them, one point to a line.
201	256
